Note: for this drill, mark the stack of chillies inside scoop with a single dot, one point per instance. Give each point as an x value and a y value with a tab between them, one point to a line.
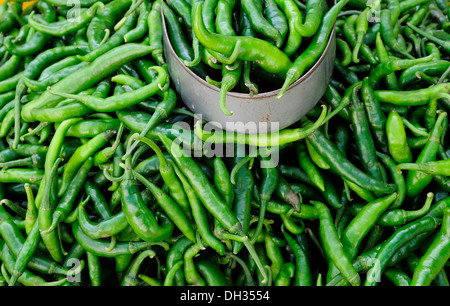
250	46
101	185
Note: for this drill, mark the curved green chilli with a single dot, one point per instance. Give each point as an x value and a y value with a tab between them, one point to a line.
408	76
349	31
287	272
399	238
247	30
131	275
375	116
269	182
413	97
114	40
138	215
386	68
363	222
43	83
103	248
388	35
54	149
416	181
118	102
332	245
97	197
174	256
397	277
211	273
61	28
45	211
222	180
37	64
81	155
397	216
363	137
315	10
391	79
306	163
397	178
397	139
155	32
89	128
172	272
31	214
65	205
223	19
279	138
25	254
94	268
243	181
343	51
172	210
169	176
303	273
105	228
361	27
340	164
333	97
182	8
141	25
275	16
436	255
274	254
191	274
259	21
294	17
230	76
62	111
10	67
315	48
438	167
274	60
105	20
179	41
209	14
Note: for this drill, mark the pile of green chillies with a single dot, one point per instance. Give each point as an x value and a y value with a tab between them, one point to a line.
100	184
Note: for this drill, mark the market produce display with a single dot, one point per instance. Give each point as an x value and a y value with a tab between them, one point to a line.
102	186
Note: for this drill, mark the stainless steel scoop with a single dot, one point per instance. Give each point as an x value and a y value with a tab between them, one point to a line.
261	113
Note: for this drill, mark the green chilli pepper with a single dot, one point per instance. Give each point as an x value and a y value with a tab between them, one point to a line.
242	48
435	257
315	48
315	10
260	23
333	246
416	181
65	27
117	102
397	139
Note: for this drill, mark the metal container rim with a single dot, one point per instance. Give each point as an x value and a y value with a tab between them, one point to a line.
262	95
